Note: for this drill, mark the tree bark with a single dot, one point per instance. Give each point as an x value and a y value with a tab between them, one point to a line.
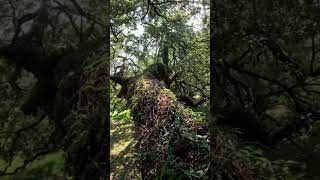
162	128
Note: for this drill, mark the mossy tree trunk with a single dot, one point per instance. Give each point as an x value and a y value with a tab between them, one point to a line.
166	134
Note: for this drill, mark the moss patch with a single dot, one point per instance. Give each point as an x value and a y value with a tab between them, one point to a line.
169	93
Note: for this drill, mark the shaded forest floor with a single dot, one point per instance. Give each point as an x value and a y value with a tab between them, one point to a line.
123	161
304	149
48	167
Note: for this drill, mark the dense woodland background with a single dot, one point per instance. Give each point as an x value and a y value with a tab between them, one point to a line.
248	108
53	58
267	87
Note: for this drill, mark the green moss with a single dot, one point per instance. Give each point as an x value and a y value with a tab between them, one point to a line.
169	93
197	116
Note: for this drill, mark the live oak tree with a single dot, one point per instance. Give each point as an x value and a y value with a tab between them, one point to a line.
162	71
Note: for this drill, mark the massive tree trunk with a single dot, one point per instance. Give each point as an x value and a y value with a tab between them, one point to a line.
166	134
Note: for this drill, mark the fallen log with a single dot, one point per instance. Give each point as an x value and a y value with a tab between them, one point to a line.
170	143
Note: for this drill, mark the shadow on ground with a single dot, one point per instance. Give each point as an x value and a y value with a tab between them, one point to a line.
123	158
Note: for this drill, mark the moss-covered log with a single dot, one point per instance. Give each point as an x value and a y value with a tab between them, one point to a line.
170	143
